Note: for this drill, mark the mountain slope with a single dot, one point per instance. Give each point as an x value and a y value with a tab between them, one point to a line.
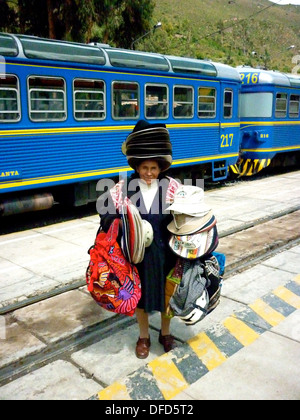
235	32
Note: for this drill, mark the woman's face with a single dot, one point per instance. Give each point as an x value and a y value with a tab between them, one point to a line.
148	170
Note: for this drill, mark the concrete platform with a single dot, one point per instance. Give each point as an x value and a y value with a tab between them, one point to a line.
249	346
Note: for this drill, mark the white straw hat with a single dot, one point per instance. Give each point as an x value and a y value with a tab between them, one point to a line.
189	199
183	224
148	233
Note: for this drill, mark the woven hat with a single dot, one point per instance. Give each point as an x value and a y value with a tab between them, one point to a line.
137	234
148	141
189	200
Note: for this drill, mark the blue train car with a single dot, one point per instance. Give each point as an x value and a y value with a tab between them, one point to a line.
66	108
270	119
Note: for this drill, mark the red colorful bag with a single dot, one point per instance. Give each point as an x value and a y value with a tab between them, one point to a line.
113	282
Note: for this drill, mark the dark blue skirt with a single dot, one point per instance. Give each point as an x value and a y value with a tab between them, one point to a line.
156	265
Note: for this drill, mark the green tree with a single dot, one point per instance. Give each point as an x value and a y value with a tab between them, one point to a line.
69	19
117	21
32	17
135	20
8	16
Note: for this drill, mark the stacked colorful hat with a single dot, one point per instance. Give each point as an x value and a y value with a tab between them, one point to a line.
137	234
148	141
194	224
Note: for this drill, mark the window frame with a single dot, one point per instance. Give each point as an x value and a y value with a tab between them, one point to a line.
247	102
184	103
18	100
49	111
279	111
87	90
158	102
207	96
138	100
226	106
293	101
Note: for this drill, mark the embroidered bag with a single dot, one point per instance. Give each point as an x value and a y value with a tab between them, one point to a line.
113	282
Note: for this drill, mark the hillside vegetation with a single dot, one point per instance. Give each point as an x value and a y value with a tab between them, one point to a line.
236	32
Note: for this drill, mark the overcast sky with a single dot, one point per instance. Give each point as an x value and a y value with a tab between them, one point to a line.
297	2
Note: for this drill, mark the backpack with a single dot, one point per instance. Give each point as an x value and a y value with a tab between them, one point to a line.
196	288
113	282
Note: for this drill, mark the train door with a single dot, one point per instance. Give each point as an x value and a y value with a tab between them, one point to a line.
229	130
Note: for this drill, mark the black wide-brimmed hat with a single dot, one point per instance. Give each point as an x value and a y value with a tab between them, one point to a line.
148	141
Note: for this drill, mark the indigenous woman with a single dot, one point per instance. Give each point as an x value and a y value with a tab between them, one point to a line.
149	152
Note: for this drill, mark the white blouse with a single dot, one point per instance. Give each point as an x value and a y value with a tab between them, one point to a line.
148	192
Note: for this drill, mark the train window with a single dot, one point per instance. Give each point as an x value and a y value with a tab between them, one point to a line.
281	105
294	106
228	103
137	59
156	101
64	51
8	46
190	65
9	99
206	102
256	105
89	99
183	104
47	98
125	100
10	108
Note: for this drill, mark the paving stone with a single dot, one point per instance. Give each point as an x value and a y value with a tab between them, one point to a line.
114	357
59	380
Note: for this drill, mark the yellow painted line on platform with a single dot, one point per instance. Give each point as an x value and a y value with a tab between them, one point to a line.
244	334
164	375
116	391
266	312
297	279
288	296
168	378
207	351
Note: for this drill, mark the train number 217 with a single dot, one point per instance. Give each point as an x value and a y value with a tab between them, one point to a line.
226	140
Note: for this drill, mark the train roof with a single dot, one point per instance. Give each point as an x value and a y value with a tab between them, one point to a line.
25	46
294	79
272	77
34	47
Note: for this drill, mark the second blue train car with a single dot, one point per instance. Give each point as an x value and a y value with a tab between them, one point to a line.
270	119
